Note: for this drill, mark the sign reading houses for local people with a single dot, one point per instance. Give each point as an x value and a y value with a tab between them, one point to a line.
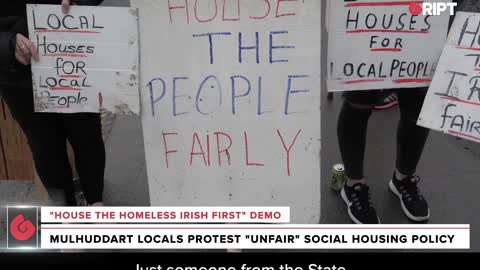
375	44
453	101
88	59
231	103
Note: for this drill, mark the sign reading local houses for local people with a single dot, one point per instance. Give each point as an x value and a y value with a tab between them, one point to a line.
381	44
453	101
88	59
231	103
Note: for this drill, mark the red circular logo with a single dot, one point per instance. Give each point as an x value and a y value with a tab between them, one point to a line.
415	8
21	229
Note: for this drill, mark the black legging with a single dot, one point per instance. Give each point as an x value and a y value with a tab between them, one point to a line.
352	130
47	135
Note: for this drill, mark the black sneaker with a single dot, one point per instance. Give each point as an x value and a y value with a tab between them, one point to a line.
387	99
359	204
413	203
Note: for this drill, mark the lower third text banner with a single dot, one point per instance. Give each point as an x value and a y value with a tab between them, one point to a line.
230	236
260	228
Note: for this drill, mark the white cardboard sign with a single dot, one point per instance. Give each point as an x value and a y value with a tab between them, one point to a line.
379	44
88	59
452	105
231	103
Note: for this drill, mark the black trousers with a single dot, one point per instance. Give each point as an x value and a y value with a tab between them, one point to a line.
47	135
352	130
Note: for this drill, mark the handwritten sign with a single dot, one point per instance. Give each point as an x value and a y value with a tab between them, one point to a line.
231	95
453	101
375	44
88	59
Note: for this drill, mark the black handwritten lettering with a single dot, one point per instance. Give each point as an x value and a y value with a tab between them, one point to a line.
95	26
69	67
54	22
427	22
74	83
350	20
65	23
45	47
412	23
401	24
359	73
474	89
445	114
387	21
371	21
35	27
68	23
396	68
452	120
80	49
477	58
398	43
66	101
465	31
458	121
348	69
373	41
385	24
83	22
452	79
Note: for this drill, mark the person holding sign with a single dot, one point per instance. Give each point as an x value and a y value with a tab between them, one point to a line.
411	139
357	108
47	134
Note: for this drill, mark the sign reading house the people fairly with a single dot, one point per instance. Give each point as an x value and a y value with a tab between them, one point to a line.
452	105
231	102
88	59
375	44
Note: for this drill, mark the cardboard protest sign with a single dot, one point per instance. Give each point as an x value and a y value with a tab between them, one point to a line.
452	105
380	44
88	59
231	103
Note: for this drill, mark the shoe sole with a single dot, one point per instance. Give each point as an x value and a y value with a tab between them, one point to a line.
348	203
395	191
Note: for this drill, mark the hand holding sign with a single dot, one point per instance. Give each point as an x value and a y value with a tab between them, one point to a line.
79	68
65	6
25	50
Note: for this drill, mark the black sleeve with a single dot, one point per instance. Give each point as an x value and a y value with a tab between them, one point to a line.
87	2
7	48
